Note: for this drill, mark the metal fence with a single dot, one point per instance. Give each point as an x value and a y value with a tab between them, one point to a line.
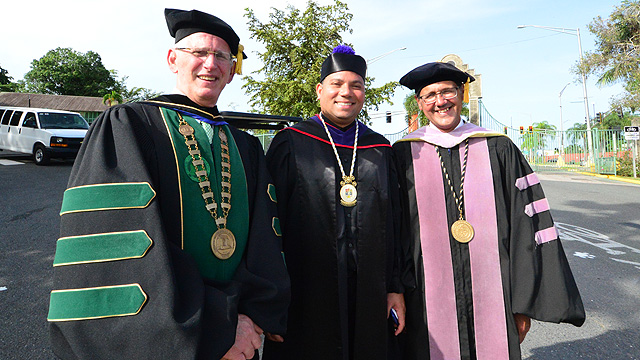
546	150
552	150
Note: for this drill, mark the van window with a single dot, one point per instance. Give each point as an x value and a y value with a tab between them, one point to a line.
2	112
15	118
51	120
30	121
6	117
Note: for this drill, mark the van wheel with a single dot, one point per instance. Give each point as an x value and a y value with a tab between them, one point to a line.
40	155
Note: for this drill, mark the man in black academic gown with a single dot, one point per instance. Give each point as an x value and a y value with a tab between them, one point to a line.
337	198
170	244
486	254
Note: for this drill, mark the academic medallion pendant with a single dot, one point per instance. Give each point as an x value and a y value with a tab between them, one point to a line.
462	231
348	192
223	244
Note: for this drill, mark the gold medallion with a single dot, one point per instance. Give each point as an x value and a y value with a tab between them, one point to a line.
185	130
462	231
223	244
348	195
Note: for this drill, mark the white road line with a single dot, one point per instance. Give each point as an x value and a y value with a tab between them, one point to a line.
10	162
601	241
3	288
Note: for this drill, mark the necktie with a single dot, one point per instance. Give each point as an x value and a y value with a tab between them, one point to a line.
208	129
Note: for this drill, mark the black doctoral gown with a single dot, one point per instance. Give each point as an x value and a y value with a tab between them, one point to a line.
339	258
468	293
131	245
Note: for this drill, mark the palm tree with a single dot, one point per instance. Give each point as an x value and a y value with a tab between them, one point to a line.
112	98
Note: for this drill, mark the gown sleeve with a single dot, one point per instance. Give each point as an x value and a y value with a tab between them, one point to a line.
542	285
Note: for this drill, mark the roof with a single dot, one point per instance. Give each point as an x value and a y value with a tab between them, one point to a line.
57	102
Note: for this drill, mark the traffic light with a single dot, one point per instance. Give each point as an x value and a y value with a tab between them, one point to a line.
521	129
530	128
388	117
599	117
505	130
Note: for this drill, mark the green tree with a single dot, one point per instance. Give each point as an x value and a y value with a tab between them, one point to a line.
135	93
296	43
612	120
412	109
537	139
617	54
577	134
64	71
6	83
112	98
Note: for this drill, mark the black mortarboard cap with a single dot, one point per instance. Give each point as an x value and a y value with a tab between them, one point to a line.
343	58
183	23
434	72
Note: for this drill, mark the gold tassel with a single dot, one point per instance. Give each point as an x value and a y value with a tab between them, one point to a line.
466	91
239	59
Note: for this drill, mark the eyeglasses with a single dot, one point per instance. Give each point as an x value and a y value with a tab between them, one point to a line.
447	94
203	54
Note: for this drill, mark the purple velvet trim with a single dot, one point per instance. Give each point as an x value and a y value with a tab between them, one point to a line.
546	235
343	137
436	254
448	140
486	278
536	207
527	181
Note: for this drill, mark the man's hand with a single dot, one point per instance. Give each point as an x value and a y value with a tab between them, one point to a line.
247	340
523	324
396	301
273	337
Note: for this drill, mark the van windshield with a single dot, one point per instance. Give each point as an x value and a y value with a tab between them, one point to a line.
50	120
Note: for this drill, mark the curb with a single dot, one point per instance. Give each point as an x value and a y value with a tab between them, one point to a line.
612	177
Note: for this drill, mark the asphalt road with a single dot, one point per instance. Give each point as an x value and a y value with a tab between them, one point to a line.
599	224
599	221
31	196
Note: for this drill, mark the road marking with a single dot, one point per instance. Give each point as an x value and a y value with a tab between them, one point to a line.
583	255
10	162
3	288
576	233
627	262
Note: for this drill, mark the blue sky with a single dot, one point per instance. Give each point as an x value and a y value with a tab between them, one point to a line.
523	70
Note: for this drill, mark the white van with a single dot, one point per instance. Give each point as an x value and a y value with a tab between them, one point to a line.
45	133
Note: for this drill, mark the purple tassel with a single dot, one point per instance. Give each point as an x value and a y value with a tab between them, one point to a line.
343	49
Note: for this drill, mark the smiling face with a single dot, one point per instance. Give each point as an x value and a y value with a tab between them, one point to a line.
341	97
201	81
444	114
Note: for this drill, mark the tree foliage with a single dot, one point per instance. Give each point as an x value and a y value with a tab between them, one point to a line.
296	43
134	94
6	81
64	71
537	139
617	55
412	109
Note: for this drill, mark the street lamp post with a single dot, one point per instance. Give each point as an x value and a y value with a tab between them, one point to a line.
575	32
376	58
561	161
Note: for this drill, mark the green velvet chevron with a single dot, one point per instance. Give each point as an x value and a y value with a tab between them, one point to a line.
107	197
96	303
101	247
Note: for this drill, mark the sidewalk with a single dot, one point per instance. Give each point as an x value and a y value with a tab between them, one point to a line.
613	177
